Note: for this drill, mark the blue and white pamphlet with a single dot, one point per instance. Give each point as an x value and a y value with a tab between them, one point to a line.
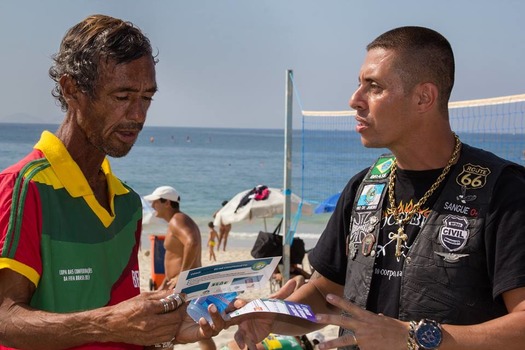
236	276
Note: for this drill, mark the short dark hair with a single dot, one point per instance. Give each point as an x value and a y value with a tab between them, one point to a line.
210	224
174	205
424	56
85	45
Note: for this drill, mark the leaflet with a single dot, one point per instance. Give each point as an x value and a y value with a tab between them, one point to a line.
236	276
276	306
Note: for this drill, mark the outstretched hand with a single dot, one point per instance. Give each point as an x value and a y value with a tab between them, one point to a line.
371	331
191	331
253	330
143	320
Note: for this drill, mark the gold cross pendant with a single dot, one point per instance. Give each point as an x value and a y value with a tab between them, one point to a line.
400	238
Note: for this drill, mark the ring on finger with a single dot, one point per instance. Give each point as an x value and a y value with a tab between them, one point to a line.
176	297
172	302
165	305
355	339
173	306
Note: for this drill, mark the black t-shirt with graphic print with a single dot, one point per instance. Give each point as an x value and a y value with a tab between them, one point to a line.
505	236
410	186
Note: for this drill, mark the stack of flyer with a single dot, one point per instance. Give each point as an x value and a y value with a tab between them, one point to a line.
240	276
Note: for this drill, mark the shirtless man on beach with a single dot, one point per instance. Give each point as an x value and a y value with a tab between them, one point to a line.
182	242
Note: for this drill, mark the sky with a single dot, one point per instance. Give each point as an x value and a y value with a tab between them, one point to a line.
223	63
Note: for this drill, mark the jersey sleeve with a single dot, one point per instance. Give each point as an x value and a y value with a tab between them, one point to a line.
20	233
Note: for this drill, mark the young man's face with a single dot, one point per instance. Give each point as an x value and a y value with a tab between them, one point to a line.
113	119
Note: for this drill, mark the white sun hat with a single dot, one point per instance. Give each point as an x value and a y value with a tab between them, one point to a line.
164	192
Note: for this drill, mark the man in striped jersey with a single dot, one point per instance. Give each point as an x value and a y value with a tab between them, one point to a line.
69	228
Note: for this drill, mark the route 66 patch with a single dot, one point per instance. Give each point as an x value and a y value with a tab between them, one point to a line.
473	176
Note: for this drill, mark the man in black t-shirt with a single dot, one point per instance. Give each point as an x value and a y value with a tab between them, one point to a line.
426	249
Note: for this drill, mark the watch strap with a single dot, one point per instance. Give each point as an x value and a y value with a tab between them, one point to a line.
411	339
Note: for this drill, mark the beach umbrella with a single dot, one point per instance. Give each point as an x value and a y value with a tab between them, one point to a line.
267	205
328	205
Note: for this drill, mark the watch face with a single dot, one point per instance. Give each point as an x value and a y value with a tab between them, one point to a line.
428	336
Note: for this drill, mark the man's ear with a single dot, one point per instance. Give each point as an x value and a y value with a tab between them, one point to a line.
69	89
427	95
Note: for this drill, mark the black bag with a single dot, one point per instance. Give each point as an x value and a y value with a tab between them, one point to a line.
270	244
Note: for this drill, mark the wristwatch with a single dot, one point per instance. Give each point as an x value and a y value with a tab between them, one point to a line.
426	334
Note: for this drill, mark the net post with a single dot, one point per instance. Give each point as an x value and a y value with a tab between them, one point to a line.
287	173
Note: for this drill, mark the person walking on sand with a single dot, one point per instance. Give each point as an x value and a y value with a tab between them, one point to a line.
224	231
182	242
211	241
69	228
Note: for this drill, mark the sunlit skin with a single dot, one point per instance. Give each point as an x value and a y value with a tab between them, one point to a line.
139	319
406	120
383	116
110	123
113	121
182	242
183	247
174	248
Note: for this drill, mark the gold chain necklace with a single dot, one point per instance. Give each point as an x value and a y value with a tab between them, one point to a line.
401	236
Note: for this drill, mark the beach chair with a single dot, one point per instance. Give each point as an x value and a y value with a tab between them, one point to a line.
157	261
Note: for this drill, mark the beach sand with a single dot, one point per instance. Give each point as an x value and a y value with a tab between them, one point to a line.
230	255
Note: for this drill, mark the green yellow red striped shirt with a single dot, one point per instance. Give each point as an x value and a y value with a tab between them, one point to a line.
54	232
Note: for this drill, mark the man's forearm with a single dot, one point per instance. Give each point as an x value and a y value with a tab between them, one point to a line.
506	332
25	328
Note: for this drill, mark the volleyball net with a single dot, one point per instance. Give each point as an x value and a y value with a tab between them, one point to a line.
331	151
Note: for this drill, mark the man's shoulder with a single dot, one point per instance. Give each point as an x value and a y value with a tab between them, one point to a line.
15	168
183	221
182	215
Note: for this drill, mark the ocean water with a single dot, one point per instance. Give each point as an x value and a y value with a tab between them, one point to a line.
210	165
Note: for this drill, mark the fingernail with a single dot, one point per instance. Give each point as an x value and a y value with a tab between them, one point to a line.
213	308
